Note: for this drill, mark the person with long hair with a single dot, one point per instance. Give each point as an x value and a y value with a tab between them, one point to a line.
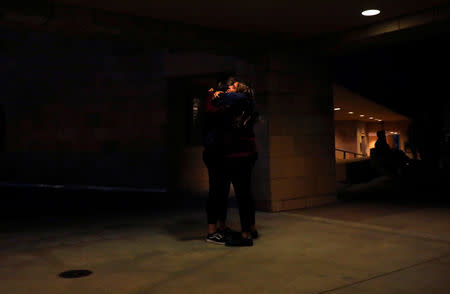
230	154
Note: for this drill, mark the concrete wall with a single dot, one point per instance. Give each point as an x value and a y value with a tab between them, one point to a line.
300	129
352	136
82	111
295	138
345	132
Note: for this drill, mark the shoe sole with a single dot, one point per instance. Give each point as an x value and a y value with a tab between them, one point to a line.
214	242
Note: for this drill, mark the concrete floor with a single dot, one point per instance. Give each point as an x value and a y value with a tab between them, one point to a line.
349	247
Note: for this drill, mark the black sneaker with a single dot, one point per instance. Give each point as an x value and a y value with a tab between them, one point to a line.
254	234
216	238
239	242
227	233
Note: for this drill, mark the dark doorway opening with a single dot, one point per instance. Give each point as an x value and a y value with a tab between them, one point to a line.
186	102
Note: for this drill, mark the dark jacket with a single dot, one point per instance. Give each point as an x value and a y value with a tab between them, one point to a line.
225	132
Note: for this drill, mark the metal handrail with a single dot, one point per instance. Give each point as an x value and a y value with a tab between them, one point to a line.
355	155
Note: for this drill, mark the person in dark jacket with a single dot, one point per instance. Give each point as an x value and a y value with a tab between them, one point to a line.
230	154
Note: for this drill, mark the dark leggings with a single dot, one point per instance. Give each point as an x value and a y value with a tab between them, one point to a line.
223	172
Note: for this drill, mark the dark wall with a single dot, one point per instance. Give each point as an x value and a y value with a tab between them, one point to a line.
80	110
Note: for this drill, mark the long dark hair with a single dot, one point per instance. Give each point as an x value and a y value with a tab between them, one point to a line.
243	87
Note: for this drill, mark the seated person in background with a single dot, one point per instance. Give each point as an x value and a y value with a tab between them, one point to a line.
381	145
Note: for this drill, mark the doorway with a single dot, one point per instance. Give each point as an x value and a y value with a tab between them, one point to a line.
396	139
186	104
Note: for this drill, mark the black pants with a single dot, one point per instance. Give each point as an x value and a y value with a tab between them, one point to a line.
225	171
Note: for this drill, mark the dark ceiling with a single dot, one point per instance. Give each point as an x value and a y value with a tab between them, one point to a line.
300	18
402	74
401	70
409	77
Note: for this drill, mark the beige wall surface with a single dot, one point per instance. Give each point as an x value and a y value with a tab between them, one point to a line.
301	137
351	136
345	134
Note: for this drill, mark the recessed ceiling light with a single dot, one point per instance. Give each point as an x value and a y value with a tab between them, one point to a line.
361	115
370	12
337	108
370	117
350	112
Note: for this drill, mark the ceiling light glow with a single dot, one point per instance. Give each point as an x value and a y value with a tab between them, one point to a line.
350	112
337	108
370	12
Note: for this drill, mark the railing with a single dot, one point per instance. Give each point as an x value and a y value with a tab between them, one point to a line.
355	155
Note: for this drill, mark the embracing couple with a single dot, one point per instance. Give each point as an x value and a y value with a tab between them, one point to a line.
230	155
